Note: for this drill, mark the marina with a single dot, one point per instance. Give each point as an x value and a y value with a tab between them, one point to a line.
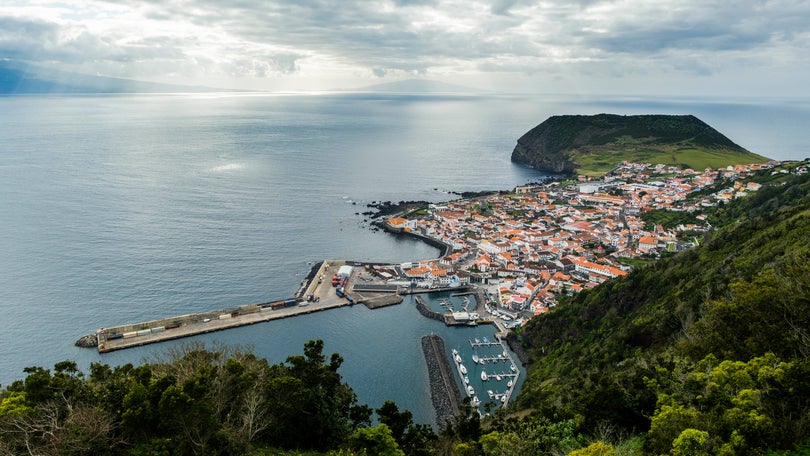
495	368
488	381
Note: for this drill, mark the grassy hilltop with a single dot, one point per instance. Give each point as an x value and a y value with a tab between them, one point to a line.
592	145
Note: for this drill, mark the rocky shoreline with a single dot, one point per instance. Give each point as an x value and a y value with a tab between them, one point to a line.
444	392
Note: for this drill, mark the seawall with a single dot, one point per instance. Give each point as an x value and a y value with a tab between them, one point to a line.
426	312
444	391
444	248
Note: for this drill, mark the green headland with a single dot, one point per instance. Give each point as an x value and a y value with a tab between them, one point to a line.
593	145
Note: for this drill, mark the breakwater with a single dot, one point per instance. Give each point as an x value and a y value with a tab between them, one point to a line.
314	295
445	248
426	312
444	391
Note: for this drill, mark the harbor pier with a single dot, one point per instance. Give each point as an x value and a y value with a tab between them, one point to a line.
316	294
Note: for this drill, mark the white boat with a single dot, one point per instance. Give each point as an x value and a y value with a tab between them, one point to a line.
457	358
475	401
484	376
509	384
485	339
470	390
475	358
514	369
455	352
491	393
462	369
503	398
466	380
498	377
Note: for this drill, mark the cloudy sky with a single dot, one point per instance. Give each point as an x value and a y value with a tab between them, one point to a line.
668	47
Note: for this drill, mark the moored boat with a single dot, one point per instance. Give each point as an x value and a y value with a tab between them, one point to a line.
462	369
484	376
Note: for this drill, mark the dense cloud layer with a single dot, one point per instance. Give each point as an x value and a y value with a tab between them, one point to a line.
328	43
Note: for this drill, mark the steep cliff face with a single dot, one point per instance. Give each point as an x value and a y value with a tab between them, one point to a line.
562	144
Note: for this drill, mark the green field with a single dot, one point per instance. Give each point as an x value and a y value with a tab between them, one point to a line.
601	159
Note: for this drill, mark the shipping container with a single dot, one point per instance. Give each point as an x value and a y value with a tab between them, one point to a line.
277	305
127	335
158	329
115	336
224	316
173	326
290	302
144	332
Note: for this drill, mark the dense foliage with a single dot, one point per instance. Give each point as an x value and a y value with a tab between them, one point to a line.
200	401
705	351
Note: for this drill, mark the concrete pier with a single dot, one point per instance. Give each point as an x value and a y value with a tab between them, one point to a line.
315	296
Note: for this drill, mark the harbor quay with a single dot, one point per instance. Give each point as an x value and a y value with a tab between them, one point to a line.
330	284
316	294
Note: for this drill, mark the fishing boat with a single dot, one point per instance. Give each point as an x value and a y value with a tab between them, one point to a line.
484	376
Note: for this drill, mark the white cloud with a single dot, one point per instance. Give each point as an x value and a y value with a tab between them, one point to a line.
321	44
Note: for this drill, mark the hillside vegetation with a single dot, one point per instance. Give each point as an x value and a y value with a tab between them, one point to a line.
708	348
592	145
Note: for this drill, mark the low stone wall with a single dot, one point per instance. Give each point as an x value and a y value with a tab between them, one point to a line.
444	391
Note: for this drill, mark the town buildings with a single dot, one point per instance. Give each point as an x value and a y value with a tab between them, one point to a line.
540	242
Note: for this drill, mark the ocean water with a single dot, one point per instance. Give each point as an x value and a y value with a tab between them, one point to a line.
117	209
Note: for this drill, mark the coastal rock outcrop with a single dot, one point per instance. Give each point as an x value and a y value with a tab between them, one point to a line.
88	341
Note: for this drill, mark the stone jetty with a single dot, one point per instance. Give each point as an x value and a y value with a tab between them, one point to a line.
443	388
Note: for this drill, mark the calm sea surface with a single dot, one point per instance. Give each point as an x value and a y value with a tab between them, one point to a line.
118	209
